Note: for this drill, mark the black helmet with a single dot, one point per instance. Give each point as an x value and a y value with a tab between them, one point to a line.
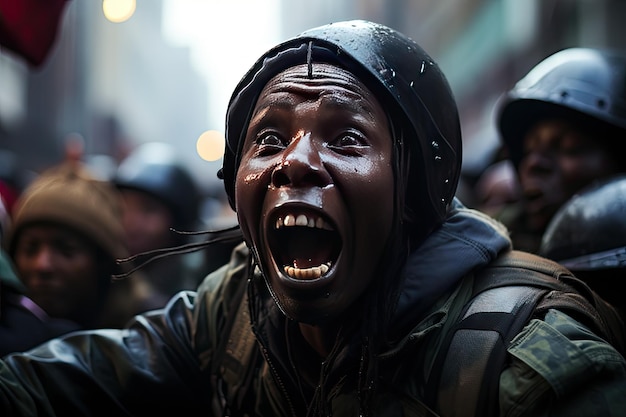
586	85
407	81
589	231
155	169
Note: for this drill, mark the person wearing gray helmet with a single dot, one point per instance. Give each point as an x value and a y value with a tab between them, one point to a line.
160	200
342	160
588	236
563	126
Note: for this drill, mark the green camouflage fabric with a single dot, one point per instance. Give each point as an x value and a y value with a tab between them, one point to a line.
559	361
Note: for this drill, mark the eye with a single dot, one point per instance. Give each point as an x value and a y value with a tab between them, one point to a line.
269	142
576	145
348	143
28	248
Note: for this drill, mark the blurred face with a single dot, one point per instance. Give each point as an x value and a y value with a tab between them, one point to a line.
314	190
559	160
60	270
146	222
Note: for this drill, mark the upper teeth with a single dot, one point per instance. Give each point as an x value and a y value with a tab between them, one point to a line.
302	220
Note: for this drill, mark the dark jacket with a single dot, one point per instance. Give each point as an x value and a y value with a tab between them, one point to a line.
162	363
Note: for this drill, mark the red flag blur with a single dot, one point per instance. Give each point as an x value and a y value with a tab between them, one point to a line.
29	27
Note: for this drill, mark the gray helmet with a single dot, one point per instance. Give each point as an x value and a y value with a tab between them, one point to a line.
408	82
589	231
155	169
586	85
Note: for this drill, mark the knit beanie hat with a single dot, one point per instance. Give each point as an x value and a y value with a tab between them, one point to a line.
70	195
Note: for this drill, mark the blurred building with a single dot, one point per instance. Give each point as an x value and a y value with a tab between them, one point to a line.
114	84
119	84
483	46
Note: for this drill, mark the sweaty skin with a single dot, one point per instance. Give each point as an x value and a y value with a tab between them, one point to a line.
559	159
318	151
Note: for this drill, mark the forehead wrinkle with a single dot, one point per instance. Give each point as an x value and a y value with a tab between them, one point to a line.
286	94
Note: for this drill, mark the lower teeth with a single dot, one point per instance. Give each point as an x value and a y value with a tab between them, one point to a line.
307	273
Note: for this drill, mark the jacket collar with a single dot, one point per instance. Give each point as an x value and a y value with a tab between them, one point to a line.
466	241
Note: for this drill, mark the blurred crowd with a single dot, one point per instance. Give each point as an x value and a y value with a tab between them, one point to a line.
81	251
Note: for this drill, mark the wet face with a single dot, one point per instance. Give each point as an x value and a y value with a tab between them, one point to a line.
59	269
559	159
314	190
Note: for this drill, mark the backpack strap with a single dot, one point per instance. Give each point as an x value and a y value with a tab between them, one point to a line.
567	293
516	287
232	369
466	372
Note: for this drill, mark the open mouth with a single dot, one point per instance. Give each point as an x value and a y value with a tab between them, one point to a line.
533	194
304	246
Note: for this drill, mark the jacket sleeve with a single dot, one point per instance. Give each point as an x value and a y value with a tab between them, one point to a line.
149	368
560	368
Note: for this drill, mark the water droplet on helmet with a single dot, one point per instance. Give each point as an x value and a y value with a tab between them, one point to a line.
387	74
434	144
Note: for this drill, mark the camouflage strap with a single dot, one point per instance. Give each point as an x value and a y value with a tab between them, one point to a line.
506	295
469	368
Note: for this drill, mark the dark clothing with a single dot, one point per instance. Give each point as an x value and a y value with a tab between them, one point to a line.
162	363
23	324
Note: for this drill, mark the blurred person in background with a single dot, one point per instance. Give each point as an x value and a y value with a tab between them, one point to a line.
588	236
497	189
28	30
160	199
64	239
23	324
564	126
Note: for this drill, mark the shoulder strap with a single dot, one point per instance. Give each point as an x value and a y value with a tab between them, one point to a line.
466	372
232	366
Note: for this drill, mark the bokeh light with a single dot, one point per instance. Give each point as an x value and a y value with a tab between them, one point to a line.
118	11
210	145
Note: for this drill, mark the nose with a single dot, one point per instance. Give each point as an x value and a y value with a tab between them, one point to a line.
537	163
301	165
43	259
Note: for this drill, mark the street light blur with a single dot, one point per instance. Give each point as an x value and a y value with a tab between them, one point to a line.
210	145
118	11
